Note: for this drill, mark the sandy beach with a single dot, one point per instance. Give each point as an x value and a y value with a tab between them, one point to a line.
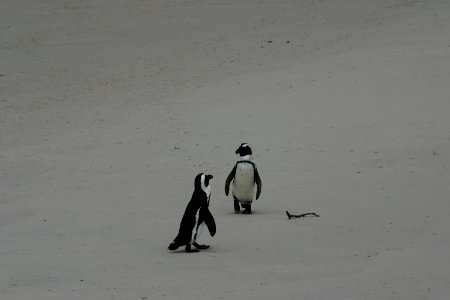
109	109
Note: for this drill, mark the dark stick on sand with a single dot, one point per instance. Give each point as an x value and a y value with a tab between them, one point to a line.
301	216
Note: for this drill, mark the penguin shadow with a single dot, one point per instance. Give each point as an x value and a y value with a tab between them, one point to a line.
184	252
257	212
241	214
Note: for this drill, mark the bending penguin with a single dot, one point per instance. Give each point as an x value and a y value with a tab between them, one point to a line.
195	217
245	175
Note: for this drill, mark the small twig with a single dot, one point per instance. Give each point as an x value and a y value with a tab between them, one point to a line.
301	216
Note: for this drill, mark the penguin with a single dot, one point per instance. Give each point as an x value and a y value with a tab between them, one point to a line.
195	216
246	176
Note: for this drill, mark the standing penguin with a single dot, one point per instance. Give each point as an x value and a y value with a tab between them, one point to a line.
196	215
245	175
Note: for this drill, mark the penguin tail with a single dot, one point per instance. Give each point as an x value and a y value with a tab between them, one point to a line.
173	246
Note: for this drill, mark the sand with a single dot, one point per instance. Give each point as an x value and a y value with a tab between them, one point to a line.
108	110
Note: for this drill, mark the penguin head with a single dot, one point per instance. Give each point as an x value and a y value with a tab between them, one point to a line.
202	181
244	150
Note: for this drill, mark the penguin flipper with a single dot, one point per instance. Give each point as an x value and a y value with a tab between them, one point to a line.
209	221
229	179
258	184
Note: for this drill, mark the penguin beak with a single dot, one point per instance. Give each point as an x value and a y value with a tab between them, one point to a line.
210	176
237	151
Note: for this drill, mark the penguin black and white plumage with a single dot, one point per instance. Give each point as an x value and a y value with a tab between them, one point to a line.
196	215
244	176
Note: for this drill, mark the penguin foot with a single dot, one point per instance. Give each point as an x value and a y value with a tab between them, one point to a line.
247	210
173	246
200	247
237	209
189	250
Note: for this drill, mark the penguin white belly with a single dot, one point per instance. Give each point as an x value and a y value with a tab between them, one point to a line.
244	182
